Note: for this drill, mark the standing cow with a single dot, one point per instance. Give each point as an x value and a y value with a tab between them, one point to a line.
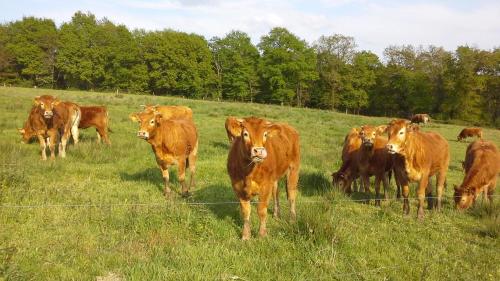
97	117
470	132
262	152
422	155
481	165
420	118
174	142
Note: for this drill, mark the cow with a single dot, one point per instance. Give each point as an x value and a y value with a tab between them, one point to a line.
422	155
97	117
373	159
262	152
482	165
174	142
347	173
51	119
170	111
420	118
470	132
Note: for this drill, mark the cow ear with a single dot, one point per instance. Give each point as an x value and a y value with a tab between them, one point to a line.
413	127
158	117
155	109
234	126
21	130
382	129
272	129
134	117
36	101
56	101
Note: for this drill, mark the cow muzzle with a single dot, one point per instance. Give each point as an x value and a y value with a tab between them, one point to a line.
258	154
392	148
48	114
143	135
368	143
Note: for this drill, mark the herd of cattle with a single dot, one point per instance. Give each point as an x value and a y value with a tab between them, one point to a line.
262	152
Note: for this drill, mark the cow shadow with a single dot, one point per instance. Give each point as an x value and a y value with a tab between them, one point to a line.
152	176
220	144
220	200
314	183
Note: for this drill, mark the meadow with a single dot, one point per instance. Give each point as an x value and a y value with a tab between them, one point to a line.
100	213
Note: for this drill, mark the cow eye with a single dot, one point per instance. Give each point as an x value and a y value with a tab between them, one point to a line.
42	105
401	132
265	134
152	122
245	134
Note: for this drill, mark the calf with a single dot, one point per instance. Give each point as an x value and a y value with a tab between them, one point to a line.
470	132
420	118
262	152
50	119
482	165
97	117
174	142
422	155
348	171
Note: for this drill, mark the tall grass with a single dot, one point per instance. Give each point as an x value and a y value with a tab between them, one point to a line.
100	212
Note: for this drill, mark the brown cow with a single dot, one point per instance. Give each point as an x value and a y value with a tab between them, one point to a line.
262	152
423	154
482	165
470	132
348	171
170	111
174	142
373	159
97	117
420	118
51	119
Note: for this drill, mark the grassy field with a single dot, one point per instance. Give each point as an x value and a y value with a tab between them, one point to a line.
101	213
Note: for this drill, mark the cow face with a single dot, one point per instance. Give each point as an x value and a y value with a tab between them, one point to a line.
398	132
464	197
254	133
148	123
46	104
26	134
368	134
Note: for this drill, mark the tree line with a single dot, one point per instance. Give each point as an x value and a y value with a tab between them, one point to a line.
331	73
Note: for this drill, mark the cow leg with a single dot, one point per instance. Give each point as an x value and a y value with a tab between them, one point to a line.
245	213
366	185
262	209
75	133
43	146
428	195
489	191
166	179
192	169
406	203
276	199
291	190
98	136
441	179
52	143
422	186
182	178
355	186
377	191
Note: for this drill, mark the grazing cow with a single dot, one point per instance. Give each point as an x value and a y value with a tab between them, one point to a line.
170	111
262	152
482	165
97	117
420	118
373	159
50	119
174	142
470	132
348	171
423	154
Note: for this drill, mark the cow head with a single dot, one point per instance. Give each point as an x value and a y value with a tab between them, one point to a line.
149	108
254	133
148	123
398	130
26	134
46	104
464	197
368	134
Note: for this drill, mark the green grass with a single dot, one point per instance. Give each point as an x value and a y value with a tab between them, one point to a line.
105	232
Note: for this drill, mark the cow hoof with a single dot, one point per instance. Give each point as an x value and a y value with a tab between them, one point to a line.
276	215
262	233
245	237
186	194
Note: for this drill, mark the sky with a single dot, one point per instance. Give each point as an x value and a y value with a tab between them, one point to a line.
375	25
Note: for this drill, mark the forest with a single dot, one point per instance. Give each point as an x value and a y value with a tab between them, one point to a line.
331	73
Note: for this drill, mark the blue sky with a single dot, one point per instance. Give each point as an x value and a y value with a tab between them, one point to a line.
374	24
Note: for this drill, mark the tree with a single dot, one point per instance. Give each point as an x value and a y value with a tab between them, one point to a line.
236	60
287	68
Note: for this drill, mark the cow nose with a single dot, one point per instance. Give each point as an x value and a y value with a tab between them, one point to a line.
259	152
389	146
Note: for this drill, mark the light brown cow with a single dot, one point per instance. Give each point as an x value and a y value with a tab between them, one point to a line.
51	119
170	111
262	152
374	160
174	142
470	132
347	173
424	154
482	165
97	117
420	118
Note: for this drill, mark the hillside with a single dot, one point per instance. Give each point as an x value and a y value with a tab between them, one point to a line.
101	210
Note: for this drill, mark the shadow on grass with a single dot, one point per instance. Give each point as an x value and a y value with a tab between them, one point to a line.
223	194
220	144
152	176
313	183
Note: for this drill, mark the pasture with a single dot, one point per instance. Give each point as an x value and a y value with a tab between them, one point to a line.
101	212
